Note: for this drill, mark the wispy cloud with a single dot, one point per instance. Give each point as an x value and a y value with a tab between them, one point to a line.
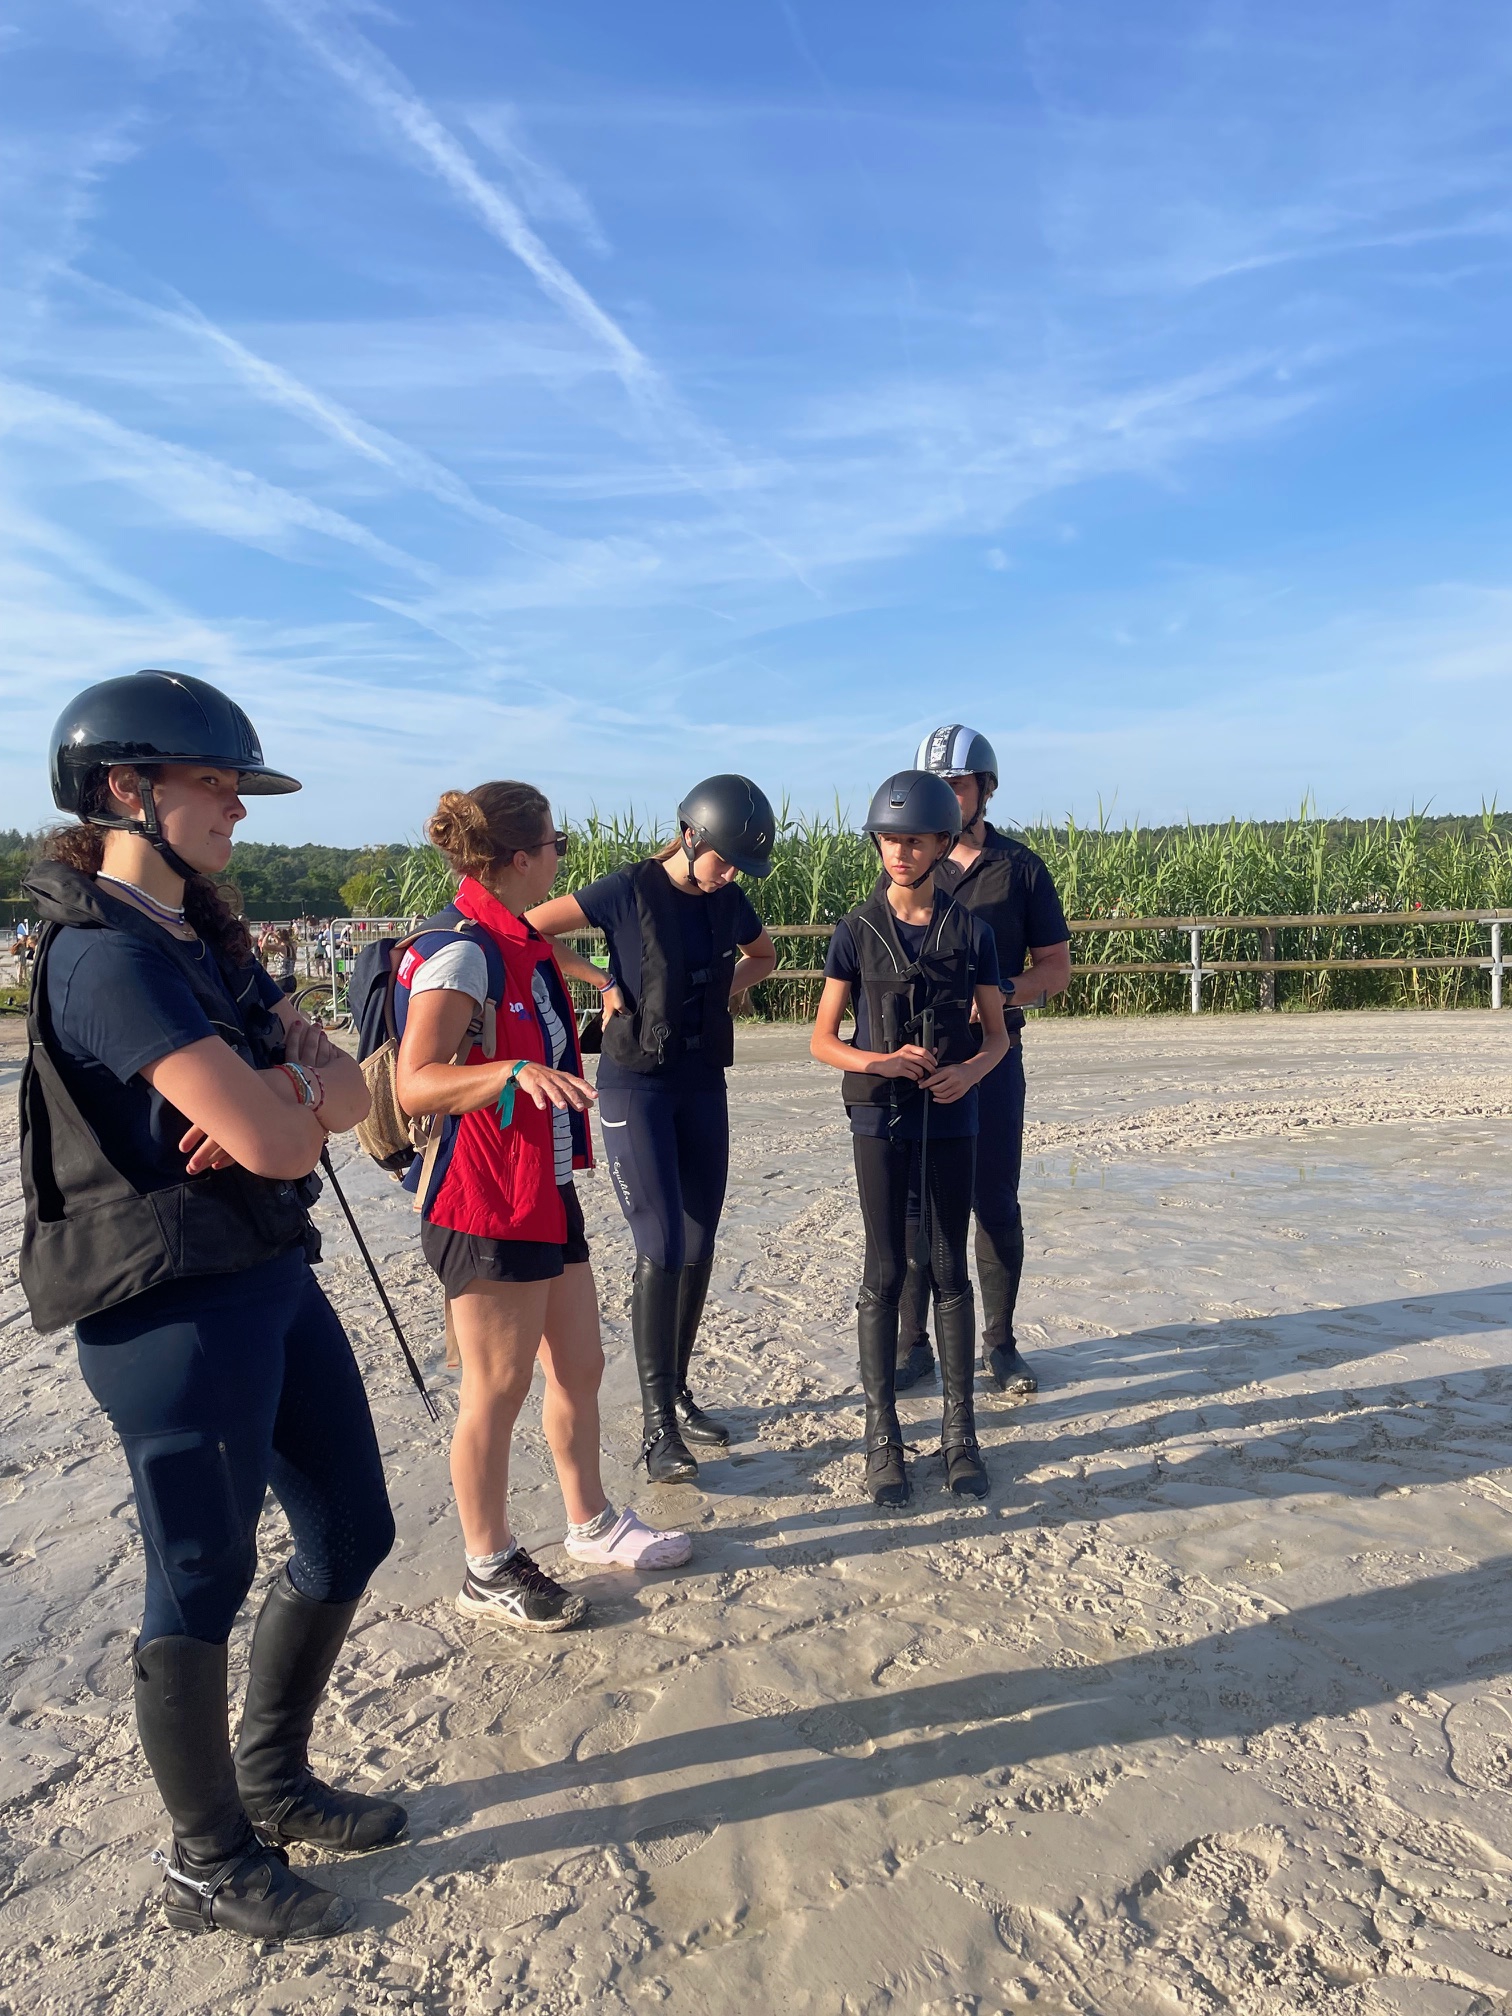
281	388
350	57
184	484
330	36
543	191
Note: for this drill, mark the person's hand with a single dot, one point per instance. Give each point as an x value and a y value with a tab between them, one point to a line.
953	1083
203	1153
307	1043
910	1060
614	1004
555	1088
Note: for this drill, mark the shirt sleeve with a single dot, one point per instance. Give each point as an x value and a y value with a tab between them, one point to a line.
128	1005
841	961
268	990
1044	920
606	902
459	968
989	973
748	926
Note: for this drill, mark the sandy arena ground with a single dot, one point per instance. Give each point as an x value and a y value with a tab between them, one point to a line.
1208	1708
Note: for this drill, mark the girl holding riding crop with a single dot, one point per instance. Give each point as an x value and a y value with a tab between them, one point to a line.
910	963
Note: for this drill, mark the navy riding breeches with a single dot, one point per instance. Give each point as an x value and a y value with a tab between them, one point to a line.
220	1388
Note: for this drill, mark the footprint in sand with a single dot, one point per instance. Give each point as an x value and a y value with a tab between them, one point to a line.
1480	1742
587	1725
661	1847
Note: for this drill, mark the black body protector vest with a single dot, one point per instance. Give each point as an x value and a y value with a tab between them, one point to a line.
651	1035
91	1239
907	999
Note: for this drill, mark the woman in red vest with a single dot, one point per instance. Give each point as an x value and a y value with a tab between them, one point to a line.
489	1042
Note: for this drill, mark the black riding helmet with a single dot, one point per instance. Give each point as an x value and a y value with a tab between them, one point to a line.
911	801
144	719
914	802
734	817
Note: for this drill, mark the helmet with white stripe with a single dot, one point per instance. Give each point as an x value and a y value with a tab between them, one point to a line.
958	751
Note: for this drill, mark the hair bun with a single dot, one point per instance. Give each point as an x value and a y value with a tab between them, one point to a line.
478	828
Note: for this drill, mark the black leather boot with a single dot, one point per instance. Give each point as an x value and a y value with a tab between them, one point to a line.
1001	1274
955	1330
294	1648
218	1876
915	1359
653	1329
877	1333
695	1424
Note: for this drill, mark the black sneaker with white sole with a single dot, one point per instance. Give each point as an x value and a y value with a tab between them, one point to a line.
522	1595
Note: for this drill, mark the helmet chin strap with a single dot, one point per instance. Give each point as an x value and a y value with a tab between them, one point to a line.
154	834
979	816
150	831
691	852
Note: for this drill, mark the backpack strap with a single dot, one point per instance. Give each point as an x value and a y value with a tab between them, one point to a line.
482	1030
484	1027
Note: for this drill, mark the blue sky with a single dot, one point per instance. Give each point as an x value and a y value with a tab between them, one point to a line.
611	394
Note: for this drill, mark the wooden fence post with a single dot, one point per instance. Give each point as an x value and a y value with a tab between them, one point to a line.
1268	980
1196	937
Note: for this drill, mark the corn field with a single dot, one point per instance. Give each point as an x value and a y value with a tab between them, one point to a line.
1306	865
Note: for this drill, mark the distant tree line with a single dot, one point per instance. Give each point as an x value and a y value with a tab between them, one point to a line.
273	880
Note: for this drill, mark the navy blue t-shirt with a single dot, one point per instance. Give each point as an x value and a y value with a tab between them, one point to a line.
610	905
949	1122
118	1000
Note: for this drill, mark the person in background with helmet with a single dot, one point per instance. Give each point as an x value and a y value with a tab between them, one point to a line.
1009	887
683	938
911	963
173	1108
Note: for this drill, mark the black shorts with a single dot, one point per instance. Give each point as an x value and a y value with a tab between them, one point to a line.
460	1258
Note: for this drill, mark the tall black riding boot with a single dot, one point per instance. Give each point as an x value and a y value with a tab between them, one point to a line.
218	1875
877	1333
915	1359
1001	1270
955	1332
294	1648
695	1424
653	1328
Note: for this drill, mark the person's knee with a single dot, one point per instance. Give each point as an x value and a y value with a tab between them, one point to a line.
884	1283
201	1599
577	1376
663	1248
494	1384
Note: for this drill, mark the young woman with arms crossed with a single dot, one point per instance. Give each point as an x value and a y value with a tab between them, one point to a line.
675	925
173	1105
502	1225
910	964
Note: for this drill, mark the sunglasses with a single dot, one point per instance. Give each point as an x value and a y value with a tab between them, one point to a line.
558	840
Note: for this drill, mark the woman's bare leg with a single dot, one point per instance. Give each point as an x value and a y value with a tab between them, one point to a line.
572	1358
498	1326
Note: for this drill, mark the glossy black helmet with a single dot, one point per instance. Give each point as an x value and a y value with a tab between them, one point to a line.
153	717
734	817
914	802
957	751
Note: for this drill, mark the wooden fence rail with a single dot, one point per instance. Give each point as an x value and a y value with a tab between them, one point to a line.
1267	965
